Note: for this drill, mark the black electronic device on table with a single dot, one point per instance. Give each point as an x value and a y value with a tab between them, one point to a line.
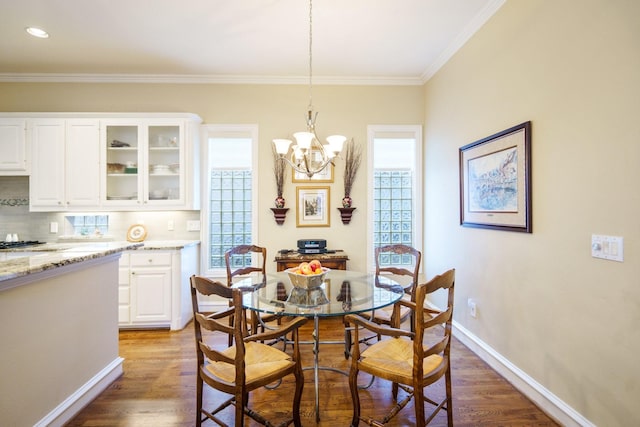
312	246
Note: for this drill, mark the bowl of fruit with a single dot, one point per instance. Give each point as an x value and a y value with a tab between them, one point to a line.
307	275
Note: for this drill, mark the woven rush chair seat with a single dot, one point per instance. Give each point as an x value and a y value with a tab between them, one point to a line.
395	357
261	361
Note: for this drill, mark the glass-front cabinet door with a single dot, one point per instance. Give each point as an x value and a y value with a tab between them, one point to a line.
124	164
165	164
145	164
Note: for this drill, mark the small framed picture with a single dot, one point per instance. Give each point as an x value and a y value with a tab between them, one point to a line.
495	181
325	175
312	207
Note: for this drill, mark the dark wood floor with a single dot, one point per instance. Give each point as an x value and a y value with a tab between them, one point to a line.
158	388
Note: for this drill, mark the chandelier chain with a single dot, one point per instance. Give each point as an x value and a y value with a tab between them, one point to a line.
310	55
309	156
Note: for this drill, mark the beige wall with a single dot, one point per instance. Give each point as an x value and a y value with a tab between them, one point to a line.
566	319
279	110
571	67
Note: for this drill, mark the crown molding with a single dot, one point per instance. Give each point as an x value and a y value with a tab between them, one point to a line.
478	21
206	79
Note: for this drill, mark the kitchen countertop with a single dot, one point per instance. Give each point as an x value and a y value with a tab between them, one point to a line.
54	255
167	244
57	254
82	246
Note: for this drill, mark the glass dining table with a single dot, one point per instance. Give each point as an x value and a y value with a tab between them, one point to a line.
342	292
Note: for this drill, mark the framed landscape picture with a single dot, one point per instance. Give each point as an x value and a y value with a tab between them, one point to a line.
495	181
312	207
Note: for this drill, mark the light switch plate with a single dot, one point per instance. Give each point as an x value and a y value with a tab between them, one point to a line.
607	247
193	225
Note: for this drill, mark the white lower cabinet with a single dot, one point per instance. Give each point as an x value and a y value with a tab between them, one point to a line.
150	282
154	287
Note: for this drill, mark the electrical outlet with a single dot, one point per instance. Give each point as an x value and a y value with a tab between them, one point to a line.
170	225
471	304
53	227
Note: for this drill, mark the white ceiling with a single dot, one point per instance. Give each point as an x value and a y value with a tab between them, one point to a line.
243	41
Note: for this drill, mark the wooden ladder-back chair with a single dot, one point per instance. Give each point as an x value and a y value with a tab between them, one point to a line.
411	360
234	260
407	275
245	366
398	270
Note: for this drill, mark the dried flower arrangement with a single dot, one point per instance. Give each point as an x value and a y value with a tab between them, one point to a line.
352	160
280	173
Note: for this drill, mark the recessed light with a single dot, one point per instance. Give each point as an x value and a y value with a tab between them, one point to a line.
37	32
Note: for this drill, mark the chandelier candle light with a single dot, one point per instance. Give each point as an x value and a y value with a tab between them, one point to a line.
309	156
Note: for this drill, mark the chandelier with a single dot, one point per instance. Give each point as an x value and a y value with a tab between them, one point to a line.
308	155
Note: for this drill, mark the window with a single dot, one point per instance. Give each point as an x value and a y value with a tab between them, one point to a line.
229	204
88	225
394	169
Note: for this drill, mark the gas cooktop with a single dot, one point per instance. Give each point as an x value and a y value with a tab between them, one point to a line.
20	244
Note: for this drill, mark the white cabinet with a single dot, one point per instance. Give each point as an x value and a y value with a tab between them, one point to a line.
65	159
104	161
150	287
150	164
154	288
14	151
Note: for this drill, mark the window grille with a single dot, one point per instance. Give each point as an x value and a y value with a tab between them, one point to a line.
393	212
230	210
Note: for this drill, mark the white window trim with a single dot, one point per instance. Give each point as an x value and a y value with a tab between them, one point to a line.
412	131
223	131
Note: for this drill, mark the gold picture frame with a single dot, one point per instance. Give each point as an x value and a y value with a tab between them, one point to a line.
313	206
325	175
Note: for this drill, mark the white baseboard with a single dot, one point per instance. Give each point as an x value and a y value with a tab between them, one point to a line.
83	396
547	401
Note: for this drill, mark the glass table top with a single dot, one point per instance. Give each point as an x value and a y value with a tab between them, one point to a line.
342	292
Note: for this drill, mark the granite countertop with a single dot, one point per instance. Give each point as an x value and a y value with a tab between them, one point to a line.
53	255
91	245
22	261
167	244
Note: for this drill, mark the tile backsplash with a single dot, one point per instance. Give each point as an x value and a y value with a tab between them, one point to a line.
16	218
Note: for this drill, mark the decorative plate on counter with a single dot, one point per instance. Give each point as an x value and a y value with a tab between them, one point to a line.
136	233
